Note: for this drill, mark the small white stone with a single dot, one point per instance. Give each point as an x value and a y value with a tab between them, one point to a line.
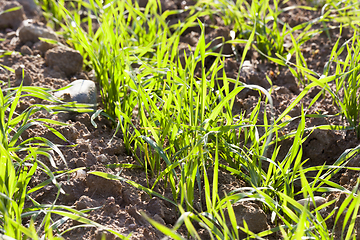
80	174
309	201
81	91
102	158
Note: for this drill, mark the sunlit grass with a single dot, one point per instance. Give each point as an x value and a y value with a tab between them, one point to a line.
176	114
20	159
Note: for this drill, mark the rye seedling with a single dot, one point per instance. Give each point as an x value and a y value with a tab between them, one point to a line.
16	172
178	123
347	81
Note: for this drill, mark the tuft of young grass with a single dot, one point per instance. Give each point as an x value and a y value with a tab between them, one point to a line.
16	173
51	12
347	92
177	118
263	16
19	159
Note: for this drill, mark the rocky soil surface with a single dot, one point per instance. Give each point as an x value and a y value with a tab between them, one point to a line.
38	63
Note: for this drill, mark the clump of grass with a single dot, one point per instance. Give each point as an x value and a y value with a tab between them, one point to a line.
51	13
291	220
184	122
180	118
263	16
126	36
16	172
347	92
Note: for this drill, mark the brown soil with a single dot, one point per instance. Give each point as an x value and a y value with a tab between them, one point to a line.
119	203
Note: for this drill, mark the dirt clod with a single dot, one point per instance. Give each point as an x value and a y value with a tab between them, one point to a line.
26	50
30	31
103	187
65	60
11	19
85	202
254	217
